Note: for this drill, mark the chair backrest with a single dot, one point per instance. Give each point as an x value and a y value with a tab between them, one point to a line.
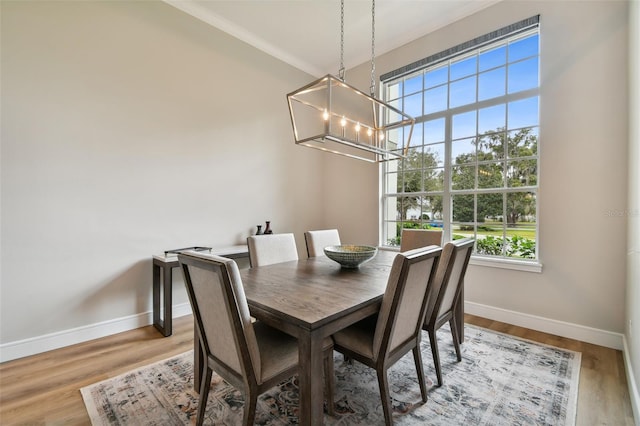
317	240
449	278
403	304
272	248
416	238
221	314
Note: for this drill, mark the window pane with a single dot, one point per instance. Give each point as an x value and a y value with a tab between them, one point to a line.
464	125
523	75
523	113
462	92
413	84
463	68
491	84
391	115
489	243
491	119
394	90
521	225
522	173
492	58
391	182
434	131
391	233
432	207
434	155
463	177
523	142
410	208
491	146
490	209
490	175
413	105
434	180
523	48
436	76
463	151
435	99
463	208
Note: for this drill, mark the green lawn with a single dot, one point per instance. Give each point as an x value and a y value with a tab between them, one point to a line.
527	231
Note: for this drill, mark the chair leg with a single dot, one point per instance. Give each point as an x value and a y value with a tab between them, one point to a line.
456	341
250	404
329	374
205	385
417	358
385	396
436	356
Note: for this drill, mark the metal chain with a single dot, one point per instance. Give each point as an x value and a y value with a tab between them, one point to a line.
373	48
341	70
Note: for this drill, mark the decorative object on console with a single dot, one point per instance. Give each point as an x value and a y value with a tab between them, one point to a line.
267	228
259	231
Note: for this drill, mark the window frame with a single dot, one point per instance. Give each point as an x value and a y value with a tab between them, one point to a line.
445	59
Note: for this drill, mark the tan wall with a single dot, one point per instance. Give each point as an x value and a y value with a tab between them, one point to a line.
130	128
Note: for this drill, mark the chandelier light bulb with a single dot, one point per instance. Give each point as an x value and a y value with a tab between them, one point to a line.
369	132
325	115
357	127
343	122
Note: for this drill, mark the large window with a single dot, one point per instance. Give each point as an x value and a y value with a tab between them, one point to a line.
472	162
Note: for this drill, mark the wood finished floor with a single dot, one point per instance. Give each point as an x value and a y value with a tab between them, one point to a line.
44	389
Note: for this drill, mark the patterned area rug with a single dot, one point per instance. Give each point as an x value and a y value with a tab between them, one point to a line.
501	380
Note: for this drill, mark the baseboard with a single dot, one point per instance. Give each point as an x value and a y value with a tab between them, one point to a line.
634	393
559	328
36	345
48	342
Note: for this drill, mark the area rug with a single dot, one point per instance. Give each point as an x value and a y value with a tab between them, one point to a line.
501	380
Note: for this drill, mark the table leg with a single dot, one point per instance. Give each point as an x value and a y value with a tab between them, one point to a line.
311	378
164	324
168	300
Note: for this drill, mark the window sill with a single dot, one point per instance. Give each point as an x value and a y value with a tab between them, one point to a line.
513	264
517	265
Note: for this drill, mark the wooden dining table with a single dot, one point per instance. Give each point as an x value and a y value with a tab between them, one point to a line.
311	299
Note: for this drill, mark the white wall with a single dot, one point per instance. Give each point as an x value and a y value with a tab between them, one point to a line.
129	128
632	331
583	166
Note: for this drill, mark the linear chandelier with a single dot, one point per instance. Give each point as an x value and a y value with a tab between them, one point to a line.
330	115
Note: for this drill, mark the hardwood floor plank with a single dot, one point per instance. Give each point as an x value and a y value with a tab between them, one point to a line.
44	389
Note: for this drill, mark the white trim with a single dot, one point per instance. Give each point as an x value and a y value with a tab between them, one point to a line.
634	393
48	342
517	265
596	336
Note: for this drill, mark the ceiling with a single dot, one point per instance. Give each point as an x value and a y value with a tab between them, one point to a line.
306	33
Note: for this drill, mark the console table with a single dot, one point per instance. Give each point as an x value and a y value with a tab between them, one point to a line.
163	265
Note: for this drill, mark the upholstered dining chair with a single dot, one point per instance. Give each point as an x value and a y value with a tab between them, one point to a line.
444	296
416	238
381	340
251	356
317	240
272	248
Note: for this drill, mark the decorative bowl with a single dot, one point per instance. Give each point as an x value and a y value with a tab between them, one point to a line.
350	256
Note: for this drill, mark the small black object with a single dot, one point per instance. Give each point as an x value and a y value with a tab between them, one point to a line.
267	229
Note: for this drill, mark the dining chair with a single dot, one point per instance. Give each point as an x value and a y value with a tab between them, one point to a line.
445	294
415	238
316	241
381	340
251	356
273	248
